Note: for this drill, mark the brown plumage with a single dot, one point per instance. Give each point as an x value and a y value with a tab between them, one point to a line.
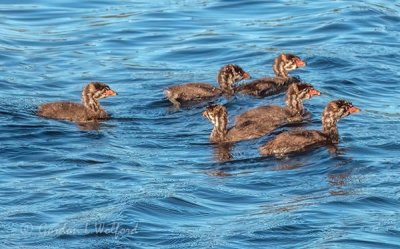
301	140
197	92
271	115
89	110
218	116
272	85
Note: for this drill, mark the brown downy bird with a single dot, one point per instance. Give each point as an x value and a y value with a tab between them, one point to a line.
218	116
197	92
89	110
272	85
302	140
271	117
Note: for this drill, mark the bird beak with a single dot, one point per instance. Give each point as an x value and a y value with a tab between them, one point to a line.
354	109
246	76
314	92
111	93
300	63
204	114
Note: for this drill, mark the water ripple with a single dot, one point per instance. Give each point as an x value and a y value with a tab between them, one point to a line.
149	177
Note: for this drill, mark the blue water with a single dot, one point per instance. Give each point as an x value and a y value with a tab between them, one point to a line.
149	178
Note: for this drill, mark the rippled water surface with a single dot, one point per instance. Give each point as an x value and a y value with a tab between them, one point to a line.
149	178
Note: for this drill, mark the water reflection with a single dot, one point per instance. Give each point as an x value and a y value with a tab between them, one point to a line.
147	156
219	173
222	152
338	182
89	126
288	166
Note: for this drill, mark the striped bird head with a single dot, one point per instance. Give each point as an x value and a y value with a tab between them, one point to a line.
285	63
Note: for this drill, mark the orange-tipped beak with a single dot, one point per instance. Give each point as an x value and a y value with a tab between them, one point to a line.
111	93
300	63
204	114
246	76
354	109
314	92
